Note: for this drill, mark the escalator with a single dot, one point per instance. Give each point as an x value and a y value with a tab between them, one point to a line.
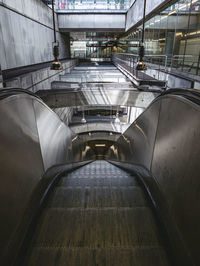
139	206
97	215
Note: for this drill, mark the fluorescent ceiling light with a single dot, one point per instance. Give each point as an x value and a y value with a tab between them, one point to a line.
100	145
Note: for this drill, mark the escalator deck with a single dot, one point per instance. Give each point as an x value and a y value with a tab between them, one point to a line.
97	215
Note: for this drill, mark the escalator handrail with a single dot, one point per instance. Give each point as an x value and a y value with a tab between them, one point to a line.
189	94
23	234
5	93
178	253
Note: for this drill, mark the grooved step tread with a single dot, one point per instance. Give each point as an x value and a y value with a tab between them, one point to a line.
98	181
150	256
97	215
88	197
95	227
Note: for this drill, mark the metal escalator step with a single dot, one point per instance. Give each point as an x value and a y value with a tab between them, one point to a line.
58	256
88	197
98	181
101	167
95	227
97	215
99	173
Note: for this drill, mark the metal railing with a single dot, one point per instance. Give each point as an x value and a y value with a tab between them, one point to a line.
157	64
160	60
185	63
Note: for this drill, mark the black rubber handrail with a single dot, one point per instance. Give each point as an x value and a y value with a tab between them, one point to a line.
190	94
16	251
5	93
178	253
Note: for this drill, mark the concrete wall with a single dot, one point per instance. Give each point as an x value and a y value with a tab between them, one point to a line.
95	22
40	79
34	9
135	13
26	34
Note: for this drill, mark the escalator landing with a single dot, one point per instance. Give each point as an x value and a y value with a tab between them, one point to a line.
97	215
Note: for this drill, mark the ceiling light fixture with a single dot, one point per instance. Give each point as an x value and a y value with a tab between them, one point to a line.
100	145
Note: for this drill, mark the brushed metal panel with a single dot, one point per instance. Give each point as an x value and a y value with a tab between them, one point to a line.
20	161
96	96
166	140
176	165
32	138
137	142
55	137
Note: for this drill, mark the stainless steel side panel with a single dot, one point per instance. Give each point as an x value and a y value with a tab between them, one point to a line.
137	142
55	137
32	139
166	140
20	161
176	166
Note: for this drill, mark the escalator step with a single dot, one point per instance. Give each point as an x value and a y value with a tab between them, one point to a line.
148	256
97	215
93	227
85	180
89	197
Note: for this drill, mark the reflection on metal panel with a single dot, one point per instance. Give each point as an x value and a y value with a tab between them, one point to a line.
165	140
99	126
55	137
139	137
32	139
20	161
98	135
97	96
175	166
